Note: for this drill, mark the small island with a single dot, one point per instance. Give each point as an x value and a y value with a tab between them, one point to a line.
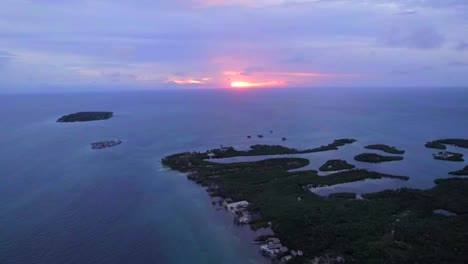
105	144
449	156
336	165
441	143
85	116
385	148
462	172
375	158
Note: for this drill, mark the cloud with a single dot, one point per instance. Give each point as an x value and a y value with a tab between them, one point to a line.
407	12
461	46
458	64
197	41
5	58
423	37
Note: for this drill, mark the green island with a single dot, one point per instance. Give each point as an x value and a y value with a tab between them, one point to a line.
85	116
336	165
461	172
375	158
258	150
394	226
449	156
385	148
441	143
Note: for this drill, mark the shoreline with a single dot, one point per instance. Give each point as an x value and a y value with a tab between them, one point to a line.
267	193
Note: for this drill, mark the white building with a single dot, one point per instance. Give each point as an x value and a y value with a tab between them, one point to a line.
237	206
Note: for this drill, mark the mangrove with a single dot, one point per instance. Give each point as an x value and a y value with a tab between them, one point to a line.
385	148
394	226
375	158
336	165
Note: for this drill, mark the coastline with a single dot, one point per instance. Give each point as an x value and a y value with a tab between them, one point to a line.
268	193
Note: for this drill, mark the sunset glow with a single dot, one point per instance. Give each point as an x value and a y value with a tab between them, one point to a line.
187	82
241	84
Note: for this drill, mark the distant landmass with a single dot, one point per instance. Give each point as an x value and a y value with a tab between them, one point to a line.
85	116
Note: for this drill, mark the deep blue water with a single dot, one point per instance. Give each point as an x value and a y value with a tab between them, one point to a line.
61	202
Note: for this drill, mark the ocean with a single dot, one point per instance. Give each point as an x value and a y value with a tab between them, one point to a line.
62	202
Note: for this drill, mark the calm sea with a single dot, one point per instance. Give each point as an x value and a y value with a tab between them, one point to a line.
61	202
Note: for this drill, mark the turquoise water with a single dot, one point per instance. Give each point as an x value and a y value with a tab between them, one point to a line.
62	202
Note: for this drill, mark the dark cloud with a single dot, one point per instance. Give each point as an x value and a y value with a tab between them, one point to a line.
407	12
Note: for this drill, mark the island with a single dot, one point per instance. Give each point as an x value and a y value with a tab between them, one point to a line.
259	149
441	143
336	165
462	172
385	148
435	145
449	156
397	225
105	144
85	116
375	158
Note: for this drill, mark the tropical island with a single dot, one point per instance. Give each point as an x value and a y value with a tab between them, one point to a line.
85	116
441	143
397	226
448	156
462	172
375	158
385	148
336	165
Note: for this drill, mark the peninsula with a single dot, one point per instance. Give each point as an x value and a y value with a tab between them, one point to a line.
85	116
336	165
258	150
399	225
375	158
441	143
385	148
462	172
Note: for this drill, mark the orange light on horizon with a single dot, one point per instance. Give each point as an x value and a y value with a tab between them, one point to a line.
188	82
241	84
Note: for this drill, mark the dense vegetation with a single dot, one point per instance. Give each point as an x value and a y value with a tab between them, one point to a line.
387	227
461	172
336	165
374	158
440	144
385	148
462	143
435	145
257	150
85	116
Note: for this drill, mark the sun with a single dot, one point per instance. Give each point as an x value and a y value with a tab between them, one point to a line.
242	84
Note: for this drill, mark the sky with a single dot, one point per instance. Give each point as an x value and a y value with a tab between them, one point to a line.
201	44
